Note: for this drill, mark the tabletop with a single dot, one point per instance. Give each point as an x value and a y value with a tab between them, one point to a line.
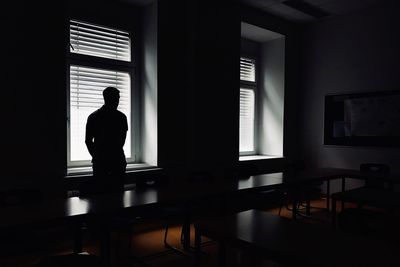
64	209
296	241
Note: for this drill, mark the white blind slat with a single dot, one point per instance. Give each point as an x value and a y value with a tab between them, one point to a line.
94	40
247	69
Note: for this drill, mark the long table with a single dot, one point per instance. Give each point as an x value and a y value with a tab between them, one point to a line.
293	243
72	208
76	209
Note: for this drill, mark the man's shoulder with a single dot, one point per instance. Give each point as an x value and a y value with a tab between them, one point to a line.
95	113
103	113
120	113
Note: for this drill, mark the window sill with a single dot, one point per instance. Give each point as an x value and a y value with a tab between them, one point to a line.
130	168
258	157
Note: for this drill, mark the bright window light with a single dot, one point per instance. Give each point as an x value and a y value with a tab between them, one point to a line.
86	87
246	125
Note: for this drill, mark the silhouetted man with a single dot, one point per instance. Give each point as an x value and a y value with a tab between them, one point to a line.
105	137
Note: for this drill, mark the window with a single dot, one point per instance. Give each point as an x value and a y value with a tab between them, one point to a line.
98	57
262	93
248	88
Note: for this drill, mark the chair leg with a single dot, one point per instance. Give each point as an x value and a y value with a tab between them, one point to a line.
77	246
166	235
222	254
182	235
169	246
308	207
197	240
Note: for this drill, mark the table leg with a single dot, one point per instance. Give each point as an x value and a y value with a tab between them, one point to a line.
105	248
328	193
294	209
308	207
343	189
186	232
197	242
77	246
333	213
222	254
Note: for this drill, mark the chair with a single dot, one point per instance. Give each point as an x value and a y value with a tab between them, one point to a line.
185	212
166	214
374	175
302	195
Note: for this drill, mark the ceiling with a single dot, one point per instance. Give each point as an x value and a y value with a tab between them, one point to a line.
258	34
305	11
139	2
301	11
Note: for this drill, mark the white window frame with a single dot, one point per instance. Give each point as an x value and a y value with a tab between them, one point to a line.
248	85
107	64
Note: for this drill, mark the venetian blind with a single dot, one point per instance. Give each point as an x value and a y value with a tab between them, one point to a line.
247	69
246	125
93	40
86	88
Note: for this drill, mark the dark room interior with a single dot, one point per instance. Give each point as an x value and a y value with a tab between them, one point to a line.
259	133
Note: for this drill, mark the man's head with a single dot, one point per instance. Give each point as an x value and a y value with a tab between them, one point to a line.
111	97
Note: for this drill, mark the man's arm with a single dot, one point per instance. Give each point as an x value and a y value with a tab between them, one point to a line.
89	136
123	138
124	130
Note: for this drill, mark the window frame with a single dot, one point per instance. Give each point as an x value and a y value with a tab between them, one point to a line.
254	87
113	65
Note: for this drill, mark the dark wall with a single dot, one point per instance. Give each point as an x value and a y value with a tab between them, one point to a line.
357	53
216	42
198	84
35	90
174	70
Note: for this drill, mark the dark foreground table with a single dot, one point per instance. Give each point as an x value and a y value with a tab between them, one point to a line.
378	198
74	210
293	242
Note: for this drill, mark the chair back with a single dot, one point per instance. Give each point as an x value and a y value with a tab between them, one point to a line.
374	174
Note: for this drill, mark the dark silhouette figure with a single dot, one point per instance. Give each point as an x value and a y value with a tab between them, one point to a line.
105	137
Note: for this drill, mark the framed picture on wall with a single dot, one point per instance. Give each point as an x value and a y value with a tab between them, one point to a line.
362	119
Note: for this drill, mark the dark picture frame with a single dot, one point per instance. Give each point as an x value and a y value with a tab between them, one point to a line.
363	119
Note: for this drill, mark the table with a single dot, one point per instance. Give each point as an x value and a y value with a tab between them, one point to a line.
65	209
293	242
74	210
378	198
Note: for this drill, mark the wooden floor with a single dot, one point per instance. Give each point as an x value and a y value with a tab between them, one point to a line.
147	246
